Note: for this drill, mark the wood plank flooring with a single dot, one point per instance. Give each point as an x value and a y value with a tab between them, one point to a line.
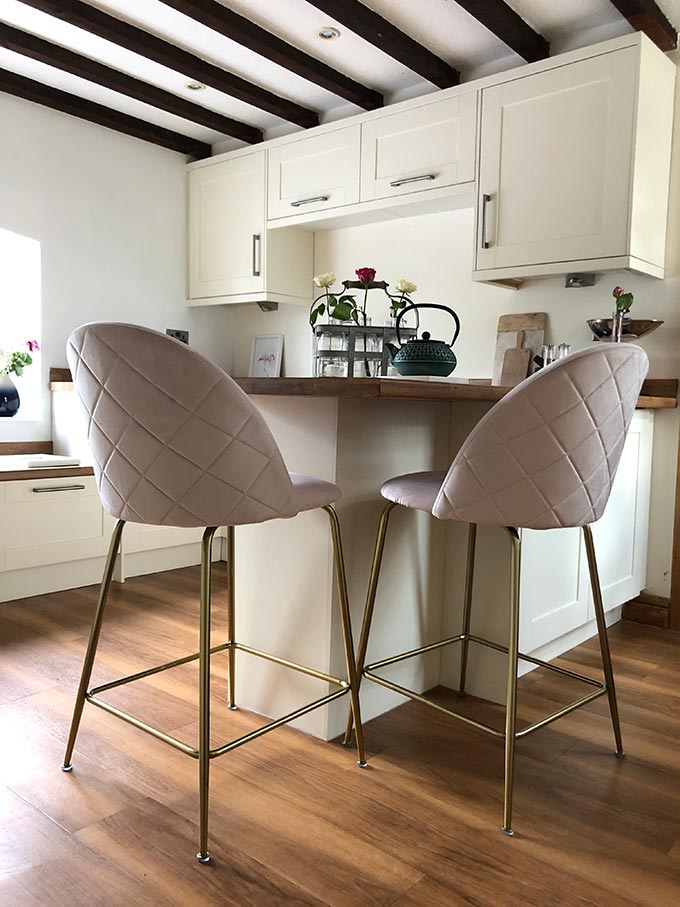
293	820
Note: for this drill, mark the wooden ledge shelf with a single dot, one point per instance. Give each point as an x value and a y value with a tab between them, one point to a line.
657	393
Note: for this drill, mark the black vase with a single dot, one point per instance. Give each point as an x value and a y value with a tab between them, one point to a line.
9	397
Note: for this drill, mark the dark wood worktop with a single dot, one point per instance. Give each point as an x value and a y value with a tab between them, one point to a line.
657	393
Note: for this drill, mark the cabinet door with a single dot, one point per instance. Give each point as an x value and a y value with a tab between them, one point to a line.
315	173
51	521
621	535
553	586
555	165
427	147
227	227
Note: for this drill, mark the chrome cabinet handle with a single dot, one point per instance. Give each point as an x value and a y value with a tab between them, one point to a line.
412	179
485	202
256	254
309	201
51	488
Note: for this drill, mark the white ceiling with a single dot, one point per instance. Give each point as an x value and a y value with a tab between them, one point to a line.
440	25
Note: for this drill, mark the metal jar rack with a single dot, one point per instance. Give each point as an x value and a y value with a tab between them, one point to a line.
343	350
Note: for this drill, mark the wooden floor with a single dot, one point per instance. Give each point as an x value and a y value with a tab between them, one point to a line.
294	821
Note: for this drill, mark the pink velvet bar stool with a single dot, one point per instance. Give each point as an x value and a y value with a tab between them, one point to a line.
176	442
544	457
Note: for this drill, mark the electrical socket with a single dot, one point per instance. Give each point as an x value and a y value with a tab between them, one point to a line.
178	335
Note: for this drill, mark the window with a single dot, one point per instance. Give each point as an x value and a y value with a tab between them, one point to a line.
20	314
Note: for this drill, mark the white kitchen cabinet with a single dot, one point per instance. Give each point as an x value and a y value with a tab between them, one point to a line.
314	173
426	147
555	584
52	521
232	258
574	167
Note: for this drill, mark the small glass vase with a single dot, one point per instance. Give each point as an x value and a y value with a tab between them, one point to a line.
9	397
617	326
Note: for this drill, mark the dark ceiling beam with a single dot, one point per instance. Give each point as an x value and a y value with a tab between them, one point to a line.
509	27
87	17
645	15
66	60
388	38
30	90
241	30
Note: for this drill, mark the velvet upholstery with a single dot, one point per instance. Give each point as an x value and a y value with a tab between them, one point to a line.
175	441
545	456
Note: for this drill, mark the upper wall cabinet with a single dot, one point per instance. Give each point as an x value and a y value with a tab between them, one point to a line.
425	147
314	173
232	258
574	167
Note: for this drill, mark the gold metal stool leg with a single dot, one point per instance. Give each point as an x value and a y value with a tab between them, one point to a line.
347	631
604	641
231	617
203	855
93	643
370	604
511	706
467	607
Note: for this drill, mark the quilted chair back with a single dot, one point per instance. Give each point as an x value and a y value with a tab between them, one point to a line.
546	455
175	441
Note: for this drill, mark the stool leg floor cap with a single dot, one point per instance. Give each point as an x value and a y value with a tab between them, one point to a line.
203	858
67	768
508	831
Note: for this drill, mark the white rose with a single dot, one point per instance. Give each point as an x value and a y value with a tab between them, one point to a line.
324	280
405	286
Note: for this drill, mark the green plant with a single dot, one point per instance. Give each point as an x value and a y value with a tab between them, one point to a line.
15	361
342	308
624	300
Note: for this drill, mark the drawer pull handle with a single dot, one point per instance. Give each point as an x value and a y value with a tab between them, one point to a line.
309	201
50	488
426	177
256	254
485	202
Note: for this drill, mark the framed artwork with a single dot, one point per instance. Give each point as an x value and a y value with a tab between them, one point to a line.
265	357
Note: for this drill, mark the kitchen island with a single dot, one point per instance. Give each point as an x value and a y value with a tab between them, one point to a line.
359	432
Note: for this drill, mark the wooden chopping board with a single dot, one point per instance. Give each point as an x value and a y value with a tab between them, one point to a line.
515	363
533	324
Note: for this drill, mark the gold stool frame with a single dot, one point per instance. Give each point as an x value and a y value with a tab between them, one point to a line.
204	754
510	733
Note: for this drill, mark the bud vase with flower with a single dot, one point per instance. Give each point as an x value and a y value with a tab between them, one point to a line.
13	362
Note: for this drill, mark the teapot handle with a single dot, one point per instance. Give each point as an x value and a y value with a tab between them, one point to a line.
429	305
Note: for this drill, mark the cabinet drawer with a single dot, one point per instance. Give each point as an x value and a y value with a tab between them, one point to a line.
427	147
314	174
49	521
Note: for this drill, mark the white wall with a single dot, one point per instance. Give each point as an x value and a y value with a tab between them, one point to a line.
109	213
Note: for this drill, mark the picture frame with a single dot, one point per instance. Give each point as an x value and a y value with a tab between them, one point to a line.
266	356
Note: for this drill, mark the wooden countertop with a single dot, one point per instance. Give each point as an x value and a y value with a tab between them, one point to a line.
657	393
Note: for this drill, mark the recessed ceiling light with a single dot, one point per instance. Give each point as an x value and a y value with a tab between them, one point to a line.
195	86
328	33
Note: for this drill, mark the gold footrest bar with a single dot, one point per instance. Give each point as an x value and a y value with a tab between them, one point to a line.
225	748
298	713
435	705
311	672
529	729
147	728
151	671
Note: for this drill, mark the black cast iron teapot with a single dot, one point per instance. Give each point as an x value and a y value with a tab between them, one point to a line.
426	356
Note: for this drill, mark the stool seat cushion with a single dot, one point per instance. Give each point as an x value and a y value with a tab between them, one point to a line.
417	489
311	493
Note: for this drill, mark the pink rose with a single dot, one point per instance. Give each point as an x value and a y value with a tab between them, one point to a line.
33	346
365	275
617	291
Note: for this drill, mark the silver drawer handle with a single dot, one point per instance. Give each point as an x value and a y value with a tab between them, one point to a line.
51	488
412	179
485	202
309	201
